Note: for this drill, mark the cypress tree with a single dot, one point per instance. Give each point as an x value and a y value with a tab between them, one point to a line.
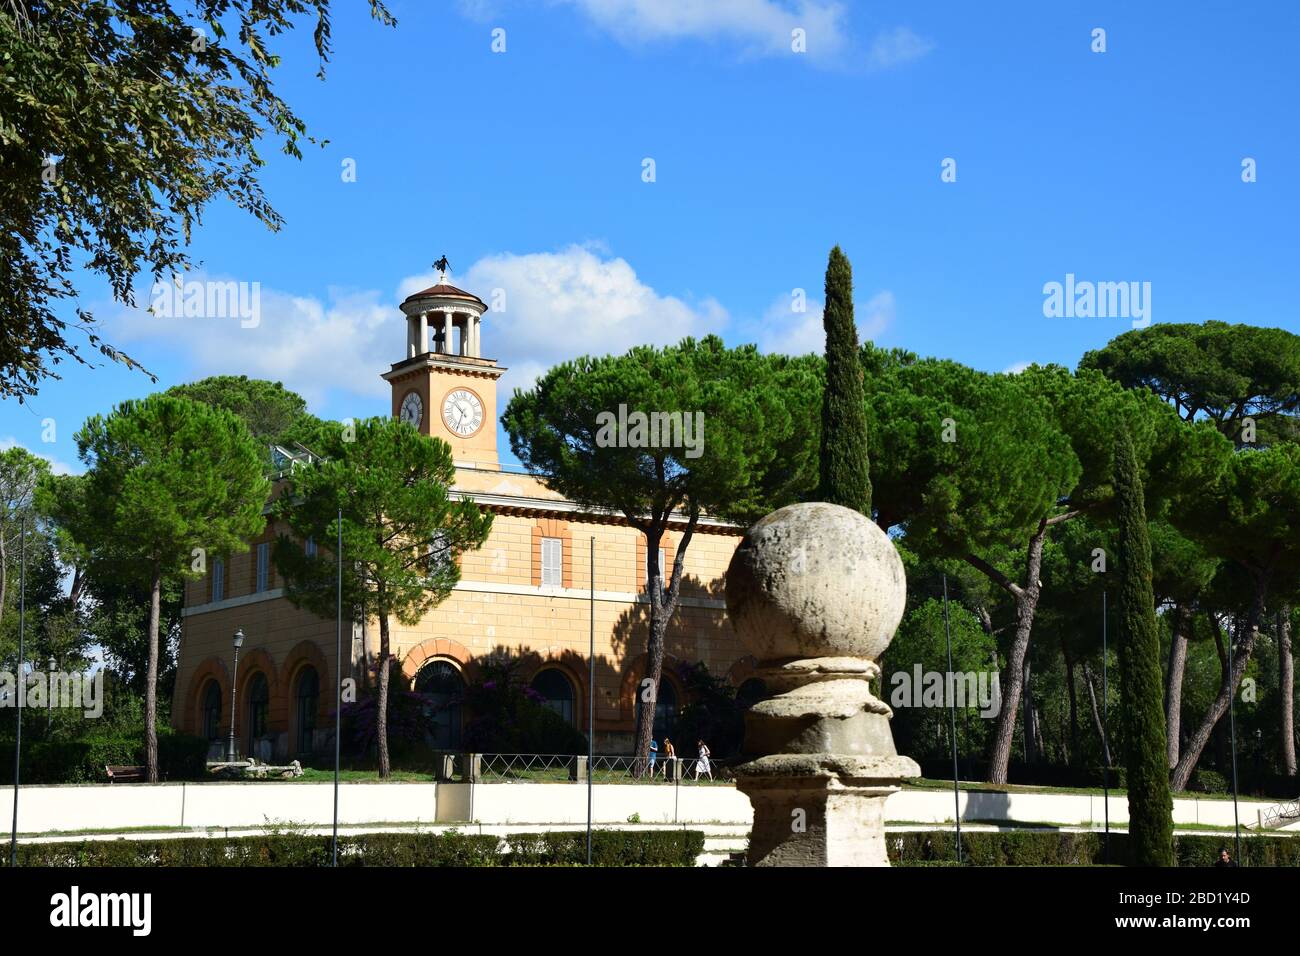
845	475
1150	806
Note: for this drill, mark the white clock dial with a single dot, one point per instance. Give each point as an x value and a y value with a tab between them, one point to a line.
462	411
412	410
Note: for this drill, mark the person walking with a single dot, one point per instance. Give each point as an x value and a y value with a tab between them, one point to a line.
670	760
654	755
702	762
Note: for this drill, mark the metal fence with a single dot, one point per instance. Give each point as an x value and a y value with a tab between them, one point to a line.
1280	815
568	768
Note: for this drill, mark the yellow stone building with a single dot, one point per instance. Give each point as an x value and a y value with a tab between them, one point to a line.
526	594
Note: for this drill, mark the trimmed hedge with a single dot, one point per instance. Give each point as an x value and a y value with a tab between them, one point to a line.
451	848
608	848
1056	848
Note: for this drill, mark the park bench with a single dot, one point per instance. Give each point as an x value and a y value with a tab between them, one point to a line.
124	774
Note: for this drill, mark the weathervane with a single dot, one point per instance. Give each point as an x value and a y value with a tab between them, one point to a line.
442	265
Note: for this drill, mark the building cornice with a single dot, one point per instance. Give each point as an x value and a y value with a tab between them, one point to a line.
528	507
461	365
481	587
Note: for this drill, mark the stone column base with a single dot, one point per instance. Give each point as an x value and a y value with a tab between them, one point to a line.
820	809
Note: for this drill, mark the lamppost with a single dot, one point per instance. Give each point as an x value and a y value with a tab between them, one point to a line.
1232	740
49	694
234	681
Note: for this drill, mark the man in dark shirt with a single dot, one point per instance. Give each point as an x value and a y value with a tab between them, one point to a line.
1225	859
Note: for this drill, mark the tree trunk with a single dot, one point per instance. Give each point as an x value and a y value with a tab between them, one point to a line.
1174	680
1182	772
1030	728
1072	691
1097	722
381	717
151	679
4	583
1026	599
1286	680
663	601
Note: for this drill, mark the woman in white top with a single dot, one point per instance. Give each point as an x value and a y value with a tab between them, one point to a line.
702	764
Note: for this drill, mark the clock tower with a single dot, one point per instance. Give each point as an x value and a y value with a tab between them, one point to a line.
443	386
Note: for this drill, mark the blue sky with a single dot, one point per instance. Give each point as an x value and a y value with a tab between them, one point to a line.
525	168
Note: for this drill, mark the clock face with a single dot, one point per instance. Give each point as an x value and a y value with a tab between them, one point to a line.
412	410
462	411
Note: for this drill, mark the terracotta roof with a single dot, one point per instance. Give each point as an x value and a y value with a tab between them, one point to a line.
443	289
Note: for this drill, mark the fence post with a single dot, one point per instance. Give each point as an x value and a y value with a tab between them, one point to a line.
444	766
578	769
473	768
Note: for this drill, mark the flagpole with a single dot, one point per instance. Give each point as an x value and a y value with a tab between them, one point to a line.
1105	738
591	697
338	682
18	688
952	683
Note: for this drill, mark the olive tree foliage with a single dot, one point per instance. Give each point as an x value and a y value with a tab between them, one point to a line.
120	121
981	467
1214	370
1250	517
168	482
753	448
403	532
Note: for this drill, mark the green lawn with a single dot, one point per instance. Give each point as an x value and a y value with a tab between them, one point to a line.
977	786
502	775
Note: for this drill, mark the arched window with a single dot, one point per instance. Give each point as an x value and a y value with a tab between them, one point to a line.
750	693
211	710
666	708
307	701
440	682
553	685
259	702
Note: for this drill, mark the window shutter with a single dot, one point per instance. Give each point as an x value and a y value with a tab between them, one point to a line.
263	565
552	562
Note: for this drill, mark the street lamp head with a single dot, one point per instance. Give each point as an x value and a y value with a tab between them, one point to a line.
54	665
239	638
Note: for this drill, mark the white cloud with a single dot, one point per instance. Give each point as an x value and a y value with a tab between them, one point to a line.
757	27
781	329
575	302
56	466
557	305
761	26
894	47
313	347
1017	368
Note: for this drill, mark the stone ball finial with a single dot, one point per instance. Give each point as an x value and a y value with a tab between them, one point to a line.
816	580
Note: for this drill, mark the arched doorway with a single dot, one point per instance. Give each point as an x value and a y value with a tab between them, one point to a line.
750	693
557	692
441	684
211	710
306	704
666	709
259	705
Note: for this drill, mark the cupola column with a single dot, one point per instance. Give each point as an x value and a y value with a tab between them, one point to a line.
424	333
446	332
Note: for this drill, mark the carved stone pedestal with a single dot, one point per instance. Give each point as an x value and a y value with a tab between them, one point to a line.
816	592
